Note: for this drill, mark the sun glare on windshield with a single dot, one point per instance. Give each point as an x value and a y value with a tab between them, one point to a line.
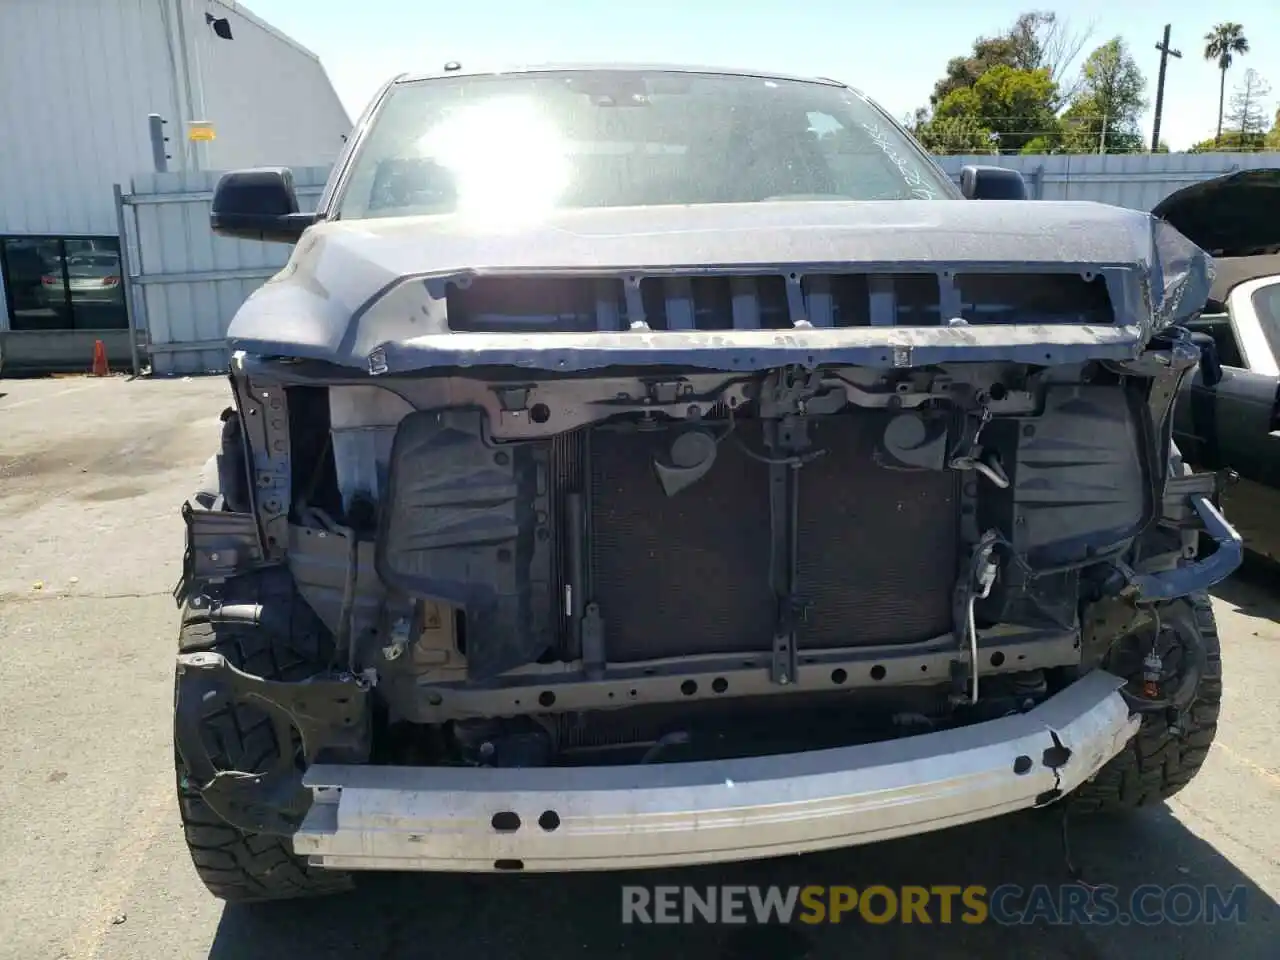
509	161
517	147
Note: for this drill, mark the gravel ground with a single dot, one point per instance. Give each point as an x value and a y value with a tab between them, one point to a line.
91	476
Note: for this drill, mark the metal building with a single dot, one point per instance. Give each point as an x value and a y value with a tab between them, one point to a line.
80	79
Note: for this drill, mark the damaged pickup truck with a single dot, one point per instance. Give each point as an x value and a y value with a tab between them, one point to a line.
638	467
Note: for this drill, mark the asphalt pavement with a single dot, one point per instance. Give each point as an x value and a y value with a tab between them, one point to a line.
92	863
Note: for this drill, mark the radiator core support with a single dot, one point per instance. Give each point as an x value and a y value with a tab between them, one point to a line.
573	548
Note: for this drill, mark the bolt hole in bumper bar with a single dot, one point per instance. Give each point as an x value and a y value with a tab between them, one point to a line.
606	818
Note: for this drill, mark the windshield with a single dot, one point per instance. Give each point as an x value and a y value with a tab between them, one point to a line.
524	143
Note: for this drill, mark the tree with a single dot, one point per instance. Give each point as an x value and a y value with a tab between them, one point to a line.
1230	141
1083	128
1248	115
963	72
952	135
1223	43
1037	40
1015	105
1050	42
1104	115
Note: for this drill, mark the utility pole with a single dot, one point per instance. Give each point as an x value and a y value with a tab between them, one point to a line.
1165	54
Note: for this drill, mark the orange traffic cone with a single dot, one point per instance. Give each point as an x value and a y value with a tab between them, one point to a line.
100	368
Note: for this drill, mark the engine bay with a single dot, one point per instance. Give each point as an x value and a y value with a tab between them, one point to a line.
566	547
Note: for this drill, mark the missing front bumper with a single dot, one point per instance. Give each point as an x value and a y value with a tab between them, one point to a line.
605	818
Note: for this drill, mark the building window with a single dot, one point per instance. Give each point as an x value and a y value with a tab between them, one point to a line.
63	283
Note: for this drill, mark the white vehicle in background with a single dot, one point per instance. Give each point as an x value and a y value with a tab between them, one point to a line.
1234	424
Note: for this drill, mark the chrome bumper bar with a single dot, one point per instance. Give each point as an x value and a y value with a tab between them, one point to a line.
606	818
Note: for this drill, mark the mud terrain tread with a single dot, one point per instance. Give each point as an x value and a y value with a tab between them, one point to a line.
237	866
1156	764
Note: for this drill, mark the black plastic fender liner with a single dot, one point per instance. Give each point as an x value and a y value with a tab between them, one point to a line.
1083	480
465	523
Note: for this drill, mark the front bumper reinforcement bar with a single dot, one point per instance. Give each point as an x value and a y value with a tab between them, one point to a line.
606	818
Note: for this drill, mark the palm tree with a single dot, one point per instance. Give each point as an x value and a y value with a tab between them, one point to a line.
1222	43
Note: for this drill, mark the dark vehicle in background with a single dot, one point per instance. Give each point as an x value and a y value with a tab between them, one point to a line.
642	467
1234	423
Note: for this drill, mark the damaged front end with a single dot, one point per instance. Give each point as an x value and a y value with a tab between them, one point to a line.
329	717
825	537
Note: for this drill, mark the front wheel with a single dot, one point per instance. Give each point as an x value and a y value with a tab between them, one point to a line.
1160	760
239	866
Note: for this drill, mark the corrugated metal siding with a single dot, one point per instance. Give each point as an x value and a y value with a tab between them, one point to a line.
188	282
1137	181
268	98
77	80
79	77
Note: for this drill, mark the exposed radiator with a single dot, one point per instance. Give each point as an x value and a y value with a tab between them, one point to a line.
690	573
877	547
683	574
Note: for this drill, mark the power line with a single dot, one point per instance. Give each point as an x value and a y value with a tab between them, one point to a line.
1001	116
1058	131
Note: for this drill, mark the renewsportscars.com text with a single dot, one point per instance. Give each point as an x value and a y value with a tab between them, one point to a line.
1008	904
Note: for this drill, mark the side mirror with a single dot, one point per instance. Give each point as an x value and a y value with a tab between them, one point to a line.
992	183
258	204
1210	365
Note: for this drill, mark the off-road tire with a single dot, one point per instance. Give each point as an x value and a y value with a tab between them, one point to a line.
1156	763
235	865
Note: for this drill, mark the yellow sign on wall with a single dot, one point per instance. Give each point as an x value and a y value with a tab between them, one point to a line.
200	130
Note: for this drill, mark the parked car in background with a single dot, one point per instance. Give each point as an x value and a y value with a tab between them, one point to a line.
92	279
1235	423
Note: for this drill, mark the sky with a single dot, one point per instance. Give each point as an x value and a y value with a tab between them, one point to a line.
893	51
